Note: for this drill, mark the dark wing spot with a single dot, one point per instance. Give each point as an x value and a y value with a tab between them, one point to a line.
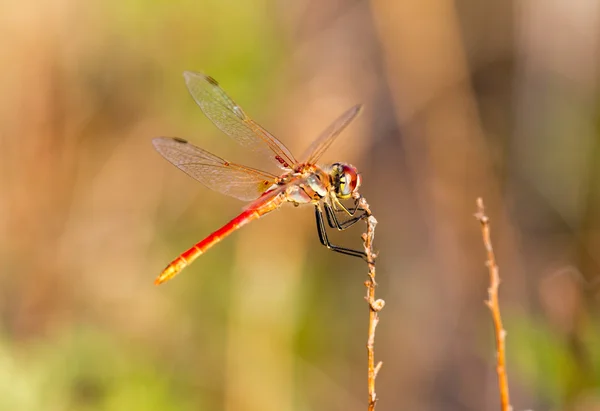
226	163
180	140
264	185
212	81
282	161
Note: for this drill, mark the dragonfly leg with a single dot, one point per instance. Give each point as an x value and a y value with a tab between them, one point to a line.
325	241
334	222
339	207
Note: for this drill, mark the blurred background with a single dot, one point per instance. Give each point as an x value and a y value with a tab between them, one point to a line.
497	99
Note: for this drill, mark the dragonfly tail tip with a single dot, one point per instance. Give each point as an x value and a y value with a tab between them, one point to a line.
160	279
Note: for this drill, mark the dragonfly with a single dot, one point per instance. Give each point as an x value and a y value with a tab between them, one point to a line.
300	182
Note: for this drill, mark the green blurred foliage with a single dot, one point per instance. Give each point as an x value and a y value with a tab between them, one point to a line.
89	370
549	362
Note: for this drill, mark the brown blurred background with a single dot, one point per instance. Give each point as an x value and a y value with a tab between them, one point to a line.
497	99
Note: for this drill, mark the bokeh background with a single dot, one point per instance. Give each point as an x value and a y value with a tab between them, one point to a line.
463	98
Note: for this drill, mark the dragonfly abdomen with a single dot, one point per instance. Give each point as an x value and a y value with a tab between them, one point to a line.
187	257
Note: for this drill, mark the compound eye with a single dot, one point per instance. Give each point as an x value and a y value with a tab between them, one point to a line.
348	182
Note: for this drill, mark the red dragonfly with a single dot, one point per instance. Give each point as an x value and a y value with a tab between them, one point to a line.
301	182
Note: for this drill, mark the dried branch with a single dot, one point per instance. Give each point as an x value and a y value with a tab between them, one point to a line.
494	307
374	305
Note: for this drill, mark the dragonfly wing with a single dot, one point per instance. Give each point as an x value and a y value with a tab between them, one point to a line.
233	121
322	143
232	179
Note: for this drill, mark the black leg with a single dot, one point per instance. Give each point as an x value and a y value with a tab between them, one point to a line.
333	221
325	241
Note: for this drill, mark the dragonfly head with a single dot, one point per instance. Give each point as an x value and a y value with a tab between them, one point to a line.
345	179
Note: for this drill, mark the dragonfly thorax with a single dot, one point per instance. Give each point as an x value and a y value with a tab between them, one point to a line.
308	184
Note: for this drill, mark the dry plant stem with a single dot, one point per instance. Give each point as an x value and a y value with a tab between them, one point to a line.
374	305
494	307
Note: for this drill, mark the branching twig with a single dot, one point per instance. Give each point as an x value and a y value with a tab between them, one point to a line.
374	305
494	306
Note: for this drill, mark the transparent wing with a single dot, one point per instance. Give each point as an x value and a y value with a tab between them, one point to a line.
322	143
238	181
231	119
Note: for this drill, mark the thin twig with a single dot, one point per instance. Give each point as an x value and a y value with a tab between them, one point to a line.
494	307
374	305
